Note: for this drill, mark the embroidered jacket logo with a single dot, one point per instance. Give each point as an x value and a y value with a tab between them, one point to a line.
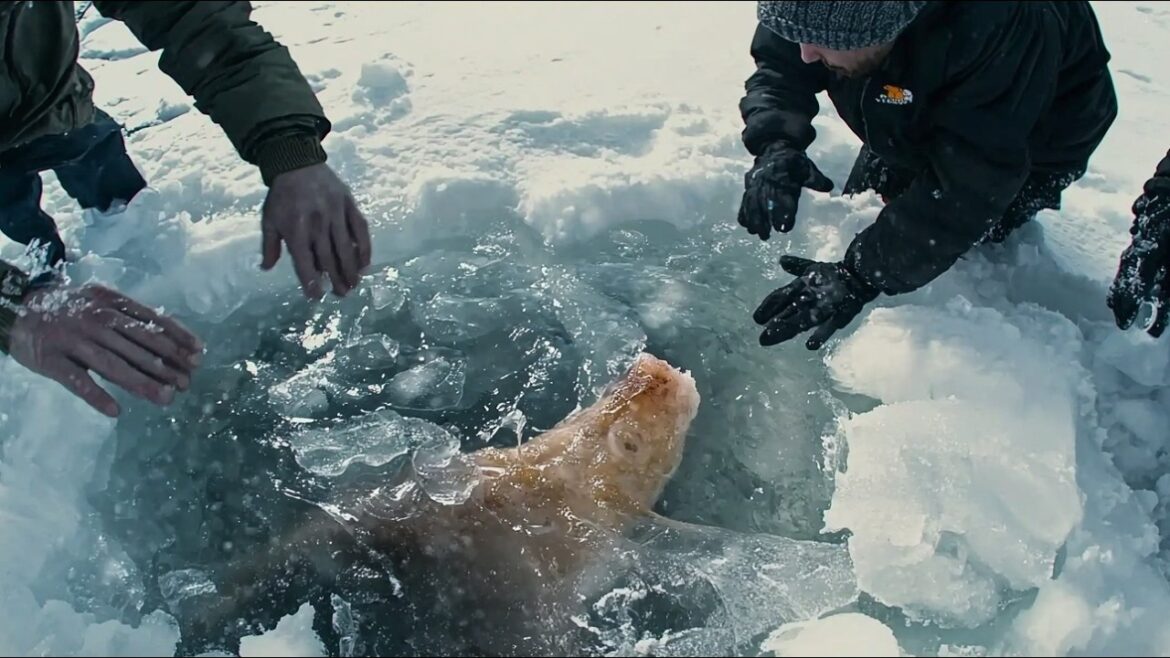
894	95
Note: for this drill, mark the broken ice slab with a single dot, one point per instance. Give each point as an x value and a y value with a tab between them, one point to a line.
434	384
387	298
345	625
182	584
305	394
444	473
452	318
383	297
727	586
374	439
367	353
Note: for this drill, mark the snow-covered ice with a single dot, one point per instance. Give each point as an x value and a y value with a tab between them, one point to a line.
292	636
979	468
845	634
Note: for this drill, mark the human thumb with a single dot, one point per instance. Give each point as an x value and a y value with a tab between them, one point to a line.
817	181
796	265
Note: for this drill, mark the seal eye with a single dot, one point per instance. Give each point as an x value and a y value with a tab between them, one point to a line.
631	446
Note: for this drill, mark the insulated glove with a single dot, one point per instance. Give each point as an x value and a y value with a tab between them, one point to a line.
825	295
62	333
1143	273
772	189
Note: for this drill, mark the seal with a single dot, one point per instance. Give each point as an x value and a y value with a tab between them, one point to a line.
504	572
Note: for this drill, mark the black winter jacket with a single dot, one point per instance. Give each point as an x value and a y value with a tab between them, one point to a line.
974	98
1160	182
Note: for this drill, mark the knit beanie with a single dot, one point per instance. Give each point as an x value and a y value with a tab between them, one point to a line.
837	24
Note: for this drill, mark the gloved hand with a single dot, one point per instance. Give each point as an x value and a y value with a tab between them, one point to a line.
1143	273
772	189
825	295
63	332
316	216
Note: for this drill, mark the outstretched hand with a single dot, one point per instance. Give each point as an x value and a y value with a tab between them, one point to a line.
314	214
63	333
772	189
824	296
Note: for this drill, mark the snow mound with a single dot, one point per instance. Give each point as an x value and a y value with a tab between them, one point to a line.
293	636
845	634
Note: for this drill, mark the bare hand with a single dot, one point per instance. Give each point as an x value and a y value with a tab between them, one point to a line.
62	333
313	212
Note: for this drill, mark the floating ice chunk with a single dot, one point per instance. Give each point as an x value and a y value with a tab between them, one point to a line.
375	439
733	587
450	318
304	394
345	625
293	636
446	476
607	335
435	384
846	634
182	584
375	352
766	579
387	295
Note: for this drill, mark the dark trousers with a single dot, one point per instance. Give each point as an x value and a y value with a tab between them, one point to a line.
92	166
1042	190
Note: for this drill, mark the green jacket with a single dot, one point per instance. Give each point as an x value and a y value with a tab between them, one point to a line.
239	76
237	73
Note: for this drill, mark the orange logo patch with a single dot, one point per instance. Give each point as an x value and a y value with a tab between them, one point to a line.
895	95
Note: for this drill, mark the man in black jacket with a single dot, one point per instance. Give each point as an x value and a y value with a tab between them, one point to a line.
1143	273
973	115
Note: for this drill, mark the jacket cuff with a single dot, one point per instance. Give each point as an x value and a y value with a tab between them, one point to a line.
13	287
862	285
865	263
278	155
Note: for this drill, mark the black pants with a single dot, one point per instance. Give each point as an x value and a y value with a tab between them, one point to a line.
92	166
1042	190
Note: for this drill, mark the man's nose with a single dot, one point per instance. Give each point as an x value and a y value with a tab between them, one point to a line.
809	54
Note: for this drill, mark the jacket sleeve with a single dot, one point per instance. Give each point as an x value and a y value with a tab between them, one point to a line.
13	284
781	98
1002	81
238	74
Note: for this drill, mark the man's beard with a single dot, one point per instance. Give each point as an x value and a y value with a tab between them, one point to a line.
863	68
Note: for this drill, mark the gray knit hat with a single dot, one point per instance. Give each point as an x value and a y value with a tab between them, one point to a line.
837	24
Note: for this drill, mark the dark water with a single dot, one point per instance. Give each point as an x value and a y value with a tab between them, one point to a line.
463	334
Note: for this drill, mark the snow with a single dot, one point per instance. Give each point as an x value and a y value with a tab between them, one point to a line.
292	636
547	202
845	634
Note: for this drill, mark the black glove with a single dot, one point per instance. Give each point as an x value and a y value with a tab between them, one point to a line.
826	295
772	189
1143	274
